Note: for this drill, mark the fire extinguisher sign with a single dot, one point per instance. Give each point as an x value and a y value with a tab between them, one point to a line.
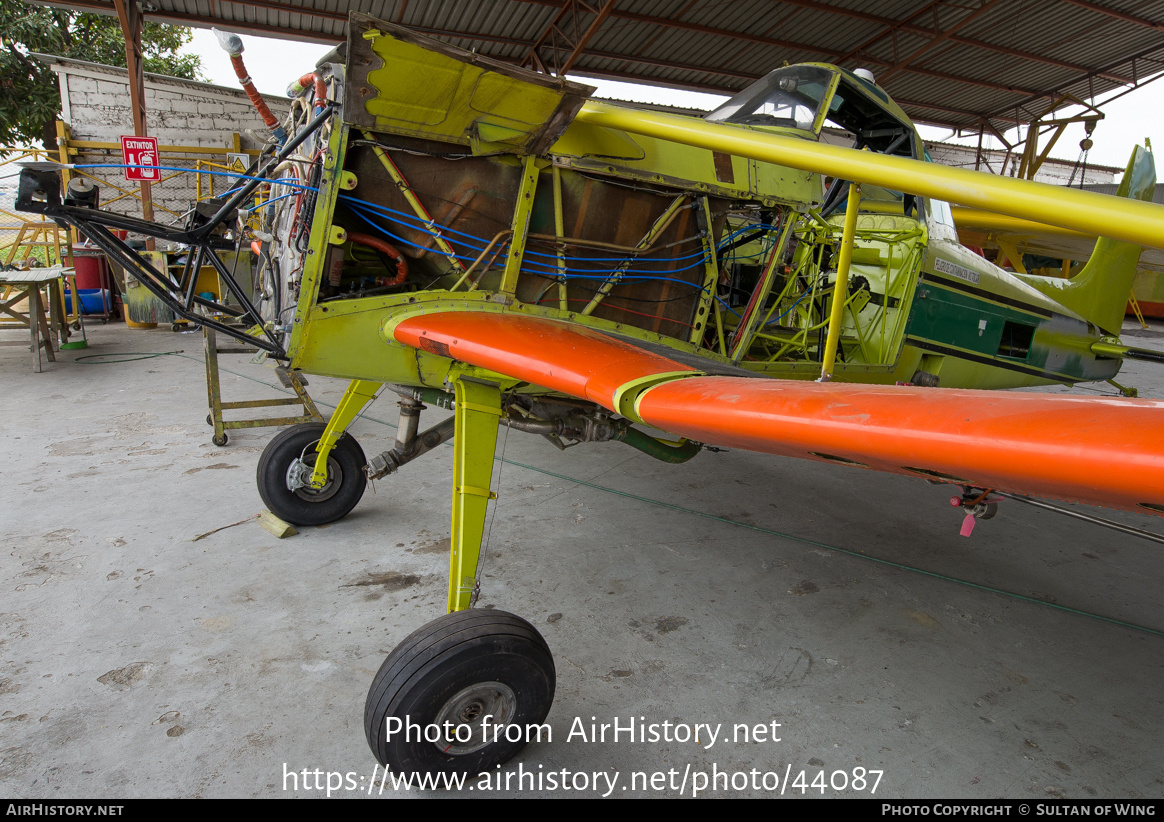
140	155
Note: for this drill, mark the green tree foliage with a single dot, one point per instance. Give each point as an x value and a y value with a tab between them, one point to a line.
30	100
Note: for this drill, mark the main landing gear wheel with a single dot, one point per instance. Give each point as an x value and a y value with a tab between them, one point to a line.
278	471
476	681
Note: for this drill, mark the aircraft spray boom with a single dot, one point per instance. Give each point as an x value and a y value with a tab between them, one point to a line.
1130	220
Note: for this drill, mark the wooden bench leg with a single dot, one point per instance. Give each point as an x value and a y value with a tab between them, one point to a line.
34	325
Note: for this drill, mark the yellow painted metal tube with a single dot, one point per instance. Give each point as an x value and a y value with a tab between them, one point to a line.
745	331
660	225
1000	223
520	225
559	233
414	201
841	286
1134	221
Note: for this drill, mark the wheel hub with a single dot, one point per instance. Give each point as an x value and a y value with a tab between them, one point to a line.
299	479
484	708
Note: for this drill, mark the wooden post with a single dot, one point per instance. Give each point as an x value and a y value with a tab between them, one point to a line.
131	25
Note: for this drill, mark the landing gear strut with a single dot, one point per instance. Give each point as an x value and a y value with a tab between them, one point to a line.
468	690
477	683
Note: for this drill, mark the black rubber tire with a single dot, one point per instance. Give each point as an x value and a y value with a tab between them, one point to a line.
210	420
224	441
455	653
305	507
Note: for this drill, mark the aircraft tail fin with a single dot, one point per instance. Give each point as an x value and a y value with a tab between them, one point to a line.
1099	292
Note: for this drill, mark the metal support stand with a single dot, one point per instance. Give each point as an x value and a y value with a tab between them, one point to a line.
217	406
1135	306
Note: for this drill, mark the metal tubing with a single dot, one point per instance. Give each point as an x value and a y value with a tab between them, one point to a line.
841	286
1106	523
700	313
190	274
520	226
559	230
673	452
529	426
389	462
505	232
745	330
409	421
660	225
243	193
414	201
1118	218
150	278
233	287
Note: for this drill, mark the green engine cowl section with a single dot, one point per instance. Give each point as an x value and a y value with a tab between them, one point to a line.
1099	292
1028	342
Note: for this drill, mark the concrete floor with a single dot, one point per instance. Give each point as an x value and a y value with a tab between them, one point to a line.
736	589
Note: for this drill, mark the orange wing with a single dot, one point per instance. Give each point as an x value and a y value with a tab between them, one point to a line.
1099	450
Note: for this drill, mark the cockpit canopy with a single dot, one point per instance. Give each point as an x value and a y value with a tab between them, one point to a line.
812	96
788	98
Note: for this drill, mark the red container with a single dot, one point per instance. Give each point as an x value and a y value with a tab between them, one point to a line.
89	270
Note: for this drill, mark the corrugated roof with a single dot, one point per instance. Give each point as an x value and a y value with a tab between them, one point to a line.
957	63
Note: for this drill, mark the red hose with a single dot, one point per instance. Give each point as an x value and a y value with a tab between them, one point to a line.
320	87
257	99
387	248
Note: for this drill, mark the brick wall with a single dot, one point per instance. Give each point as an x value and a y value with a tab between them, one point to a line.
95	103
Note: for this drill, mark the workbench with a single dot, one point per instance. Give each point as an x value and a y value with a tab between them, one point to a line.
46	309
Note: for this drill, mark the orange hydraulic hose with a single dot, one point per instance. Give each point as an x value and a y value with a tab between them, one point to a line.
244	79
309	79
387	248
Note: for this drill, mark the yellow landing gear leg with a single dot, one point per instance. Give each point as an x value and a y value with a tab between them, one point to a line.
472	671
359	394
311	473
474	439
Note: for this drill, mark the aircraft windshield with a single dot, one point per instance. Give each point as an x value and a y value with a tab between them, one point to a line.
788	97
